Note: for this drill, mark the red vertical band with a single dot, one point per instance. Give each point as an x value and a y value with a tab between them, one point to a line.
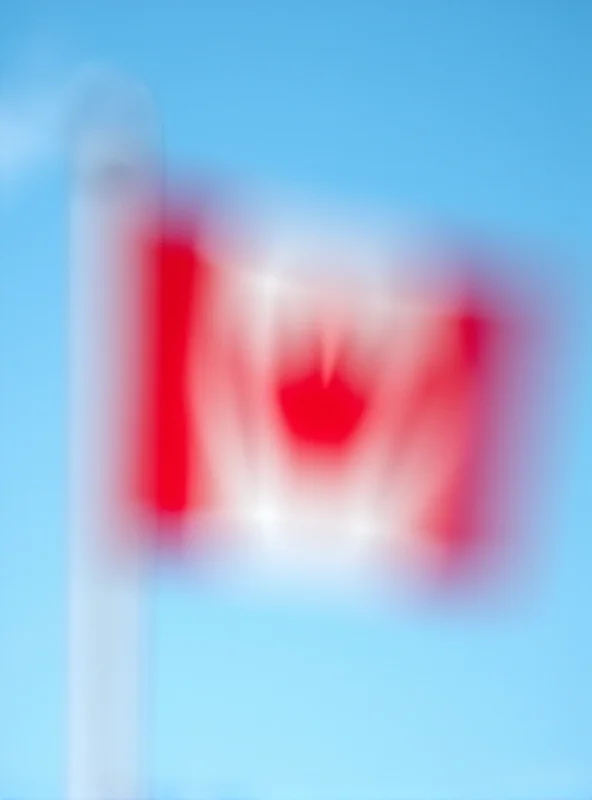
174	285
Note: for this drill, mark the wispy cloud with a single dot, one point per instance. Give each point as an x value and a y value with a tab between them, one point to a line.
29	132
33	97
37	93
37	106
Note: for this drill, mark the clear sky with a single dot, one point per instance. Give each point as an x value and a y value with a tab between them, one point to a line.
479	113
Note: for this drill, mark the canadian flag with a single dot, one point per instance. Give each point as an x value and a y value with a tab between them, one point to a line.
303	416
307	403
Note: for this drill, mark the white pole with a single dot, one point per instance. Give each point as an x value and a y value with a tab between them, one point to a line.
105	625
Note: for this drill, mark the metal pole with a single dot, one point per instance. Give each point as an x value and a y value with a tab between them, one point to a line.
105	591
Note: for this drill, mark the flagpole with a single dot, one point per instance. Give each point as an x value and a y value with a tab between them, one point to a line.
105	613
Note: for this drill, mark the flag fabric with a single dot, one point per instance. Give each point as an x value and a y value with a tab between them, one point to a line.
292	413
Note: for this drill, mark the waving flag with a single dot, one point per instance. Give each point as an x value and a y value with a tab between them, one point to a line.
294	414
301	399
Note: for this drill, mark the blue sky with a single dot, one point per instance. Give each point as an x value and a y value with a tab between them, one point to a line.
478	114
